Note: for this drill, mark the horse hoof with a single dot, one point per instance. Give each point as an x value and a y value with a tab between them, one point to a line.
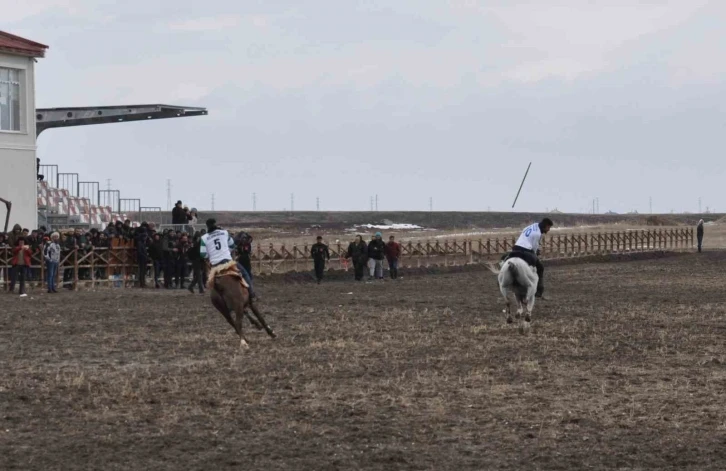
243	344
527	318
509	320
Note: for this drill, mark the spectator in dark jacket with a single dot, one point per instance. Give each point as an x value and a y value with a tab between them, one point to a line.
243	241
393	253
110	230
320	254
168	247
182	259
142	242
196	258
178	215
70	243
377	252
358	253
699	234
156	254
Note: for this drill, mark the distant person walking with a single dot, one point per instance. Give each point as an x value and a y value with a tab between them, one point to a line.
377	252
699	234
358	253
320	254
393	253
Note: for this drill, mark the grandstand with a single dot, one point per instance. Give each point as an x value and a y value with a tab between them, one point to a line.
64	202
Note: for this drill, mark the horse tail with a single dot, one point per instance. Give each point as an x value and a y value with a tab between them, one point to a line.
513	271
490	266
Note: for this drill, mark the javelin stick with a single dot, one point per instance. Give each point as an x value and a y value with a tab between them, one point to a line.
520	186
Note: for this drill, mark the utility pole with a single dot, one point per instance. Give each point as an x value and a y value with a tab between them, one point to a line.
108	183
168	194
376	203
212	201
254	201
650	201
317	203
431	204
597	204
292	202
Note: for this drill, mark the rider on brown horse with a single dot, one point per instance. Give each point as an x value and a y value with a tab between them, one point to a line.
229	283
221	242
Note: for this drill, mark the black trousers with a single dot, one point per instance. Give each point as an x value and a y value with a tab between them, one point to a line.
18	271
319	268
181	272
359	267
700	242
531	258
168	271
247	263
197	278
157	272
142	261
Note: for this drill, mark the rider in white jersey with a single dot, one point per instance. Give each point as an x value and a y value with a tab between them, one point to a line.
529	238
216	245
527	248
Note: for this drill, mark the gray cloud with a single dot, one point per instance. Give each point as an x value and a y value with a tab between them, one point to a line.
342	100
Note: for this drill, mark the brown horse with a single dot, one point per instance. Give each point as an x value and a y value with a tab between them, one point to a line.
230	293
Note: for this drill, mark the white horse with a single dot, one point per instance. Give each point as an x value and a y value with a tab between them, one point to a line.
518	277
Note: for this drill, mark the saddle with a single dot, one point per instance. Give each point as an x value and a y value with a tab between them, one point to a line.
531	259
225	269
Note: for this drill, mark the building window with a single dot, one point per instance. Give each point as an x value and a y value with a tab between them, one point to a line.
9	99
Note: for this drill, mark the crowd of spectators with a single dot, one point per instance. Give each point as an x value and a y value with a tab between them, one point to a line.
170	258
364	256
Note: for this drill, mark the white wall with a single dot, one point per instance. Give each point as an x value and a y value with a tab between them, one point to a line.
17	153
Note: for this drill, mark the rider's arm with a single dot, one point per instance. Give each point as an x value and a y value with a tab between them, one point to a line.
535	242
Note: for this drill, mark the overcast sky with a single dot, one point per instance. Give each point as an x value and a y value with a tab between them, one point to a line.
407	99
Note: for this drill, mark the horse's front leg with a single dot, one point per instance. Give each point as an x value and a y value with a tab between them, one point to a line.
221	306
242	340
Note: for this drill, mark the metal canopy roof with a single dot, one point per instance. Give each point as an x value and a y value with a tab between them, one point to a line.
46	118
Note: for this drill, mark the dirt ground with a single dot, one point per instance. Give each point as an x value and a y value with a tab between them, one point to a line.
624	367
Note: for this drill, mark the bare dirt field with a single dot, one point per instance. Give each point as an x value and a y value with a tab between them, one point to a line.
624	368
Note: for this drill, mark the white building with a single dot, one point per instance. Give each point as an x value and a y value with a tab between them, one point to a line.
18	172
